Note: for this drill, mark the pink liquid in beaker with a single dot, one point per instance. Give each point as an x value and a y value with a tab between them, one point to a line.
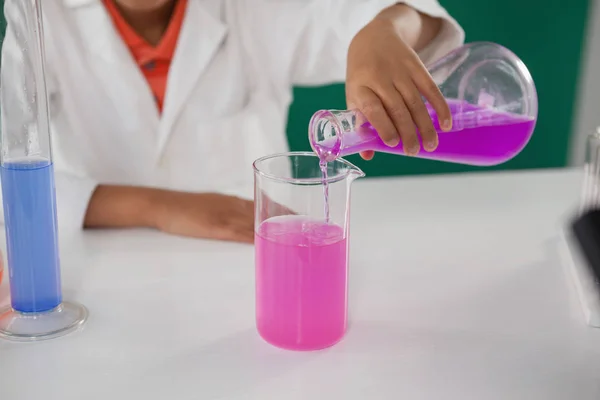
301	282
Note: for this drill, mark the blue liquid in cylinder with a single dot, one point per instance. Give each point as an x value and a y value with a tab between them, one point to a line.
31	234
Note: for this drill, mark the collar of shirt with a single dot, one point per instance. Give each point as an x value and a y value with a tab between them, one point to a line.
142	51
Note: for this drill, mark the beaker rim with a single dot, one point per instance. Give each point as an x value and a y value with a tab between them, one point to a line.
352	169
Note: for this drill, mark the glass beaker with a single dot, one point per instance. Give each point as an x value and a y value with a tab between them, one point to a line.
301	236
37	308
492	100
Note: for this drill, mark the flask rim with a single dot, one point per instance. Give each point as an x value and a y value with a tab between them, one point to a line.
333	150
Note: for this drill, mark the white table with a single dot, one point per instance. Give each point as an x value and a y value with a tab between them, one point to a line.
460	295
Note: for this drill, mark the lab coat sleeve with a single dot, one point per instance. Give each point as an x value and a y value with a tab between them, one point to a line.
321	49
73	192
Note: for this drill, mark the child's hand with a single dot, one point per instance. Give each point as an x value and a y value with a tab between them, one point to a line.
206	216
385	81
212	215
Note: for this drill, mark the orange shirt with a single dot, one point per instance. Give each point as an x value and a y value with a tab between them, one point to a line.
154	62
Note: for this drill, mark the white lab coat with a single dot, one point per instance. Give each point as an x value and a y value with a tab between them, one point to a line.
229	89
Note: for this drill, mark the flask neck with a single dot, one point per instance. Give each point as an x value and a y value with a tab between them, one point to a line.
330	131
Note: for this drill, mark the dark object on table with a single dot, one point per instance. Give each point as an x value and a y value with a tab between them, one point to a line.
586	229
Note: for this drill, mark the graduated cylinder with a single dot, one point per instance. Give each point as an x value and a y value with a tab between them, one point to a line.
26	169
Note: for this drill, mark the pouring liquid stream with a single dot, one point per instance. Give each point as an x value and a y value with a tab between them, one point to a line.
323	166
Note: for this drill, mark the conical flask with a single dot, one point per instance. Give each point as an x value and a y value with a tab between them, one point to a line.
492	99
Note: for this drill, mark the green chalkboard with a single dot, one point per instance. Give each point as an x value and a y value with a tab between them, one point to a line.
547	35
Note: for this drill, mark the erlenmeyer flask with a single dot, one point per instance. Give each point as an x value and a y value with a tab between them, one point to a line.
493	103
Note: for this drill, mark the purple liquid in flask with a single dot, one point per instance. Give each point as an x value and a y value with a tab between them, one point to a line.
480	136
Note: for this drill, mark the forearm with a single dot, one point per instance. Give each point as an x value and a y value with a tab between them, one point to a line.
417	29
114	206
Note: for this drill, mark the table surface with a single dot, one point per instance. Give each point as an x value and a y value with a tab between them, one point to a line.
457	292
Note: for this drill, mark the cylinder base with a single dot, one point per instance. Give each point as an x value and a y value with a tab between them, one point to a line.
29	327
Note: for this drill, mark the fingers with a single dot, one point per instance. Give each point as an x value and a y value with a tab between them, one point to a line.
432	93
242	236
236	221
272	208
237	236
401	117
367	155
237	228
282	210
419	113
395	110
242	224
373	109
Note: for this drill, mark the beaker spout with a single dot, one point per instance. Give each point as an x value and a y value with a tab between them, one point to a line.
357	173
354	172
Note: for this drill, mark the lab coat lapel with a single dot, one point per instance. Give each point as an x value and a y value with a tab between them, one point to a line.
200	37
111	59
